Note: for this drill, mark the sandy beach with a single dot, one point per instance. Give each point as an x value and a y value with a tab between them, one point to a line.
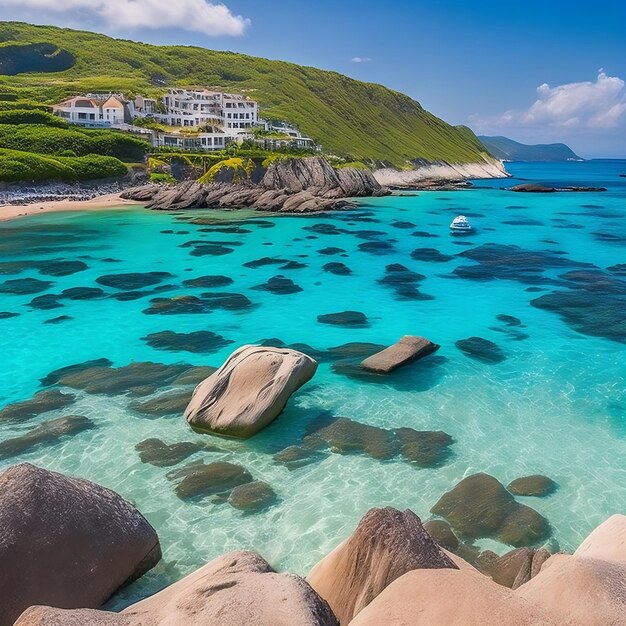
108	201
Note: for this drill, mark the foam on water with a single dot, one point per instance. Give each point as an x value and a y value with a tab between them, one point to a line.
556	405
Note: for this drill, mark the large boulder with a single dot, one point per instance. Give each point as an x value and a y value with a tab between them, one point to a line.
249	391
606	542
479	507
51	616
446	597
386	544
407	349
517	567
584	591
66	542
235	589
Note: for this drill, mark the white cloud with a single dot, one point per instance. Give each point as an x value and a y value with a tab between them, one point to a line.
585	105
190	15
360	59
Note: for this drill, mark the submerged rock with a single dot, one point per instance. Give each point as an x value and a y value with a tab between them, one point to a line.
431	255
353	319
138	378
424	448
209	282
386	544
173	403
93	539
339	269
56	375
407	349
41	402
280	286
249	391
200	480
343	436
133	281
481	350
49	432
200	341
479	506
295	457
156	452
24	286
536	485
252	497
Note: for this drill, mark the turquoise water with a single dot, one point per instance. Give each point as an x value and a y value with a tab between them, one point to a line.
556	405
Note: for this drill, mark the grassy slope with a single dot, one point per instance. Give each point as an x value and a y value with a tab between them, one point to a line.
346	116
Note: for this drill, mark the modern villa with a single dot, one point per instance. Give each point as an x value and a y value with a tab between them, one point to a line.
200	119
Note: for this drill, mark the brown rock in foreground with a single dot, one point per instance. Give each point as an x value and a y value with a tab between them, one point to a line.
386	544
409	348
235	589
66	541
583	591
446	597
50	616
249	391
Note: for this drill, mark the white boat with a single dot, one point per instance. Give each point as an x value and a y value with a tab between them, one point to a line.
460	224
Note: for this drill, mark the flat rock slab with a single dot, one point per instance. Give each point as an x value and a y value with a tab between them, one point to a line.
409	348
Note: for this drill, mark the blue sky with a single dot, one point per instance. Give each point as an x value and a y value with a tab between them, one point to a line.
535	71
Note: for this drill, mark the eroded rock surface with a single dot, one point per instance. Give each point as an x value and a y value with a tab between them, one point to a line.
249	391
66	541
386	544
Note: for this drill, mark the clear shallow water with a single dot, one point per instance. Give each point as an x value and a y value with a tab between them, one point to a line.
556	405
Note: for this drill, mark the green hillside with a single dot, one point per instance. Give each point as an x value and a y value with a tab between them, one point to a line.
509	150
348	117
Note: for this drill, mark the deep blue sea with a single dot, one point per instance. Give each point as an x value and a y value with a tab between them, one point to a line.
553	401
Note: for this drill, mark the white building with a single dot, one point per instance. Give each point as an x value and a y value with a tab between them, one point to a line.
196	119
95	110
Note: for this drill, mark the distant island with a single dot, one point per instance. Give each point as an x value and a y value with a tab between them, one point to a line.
509	150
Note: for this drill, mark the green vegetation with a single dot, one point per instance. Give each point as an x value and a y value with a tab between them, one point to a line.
347	117
241	169
31	116
16	165
52	140
160	177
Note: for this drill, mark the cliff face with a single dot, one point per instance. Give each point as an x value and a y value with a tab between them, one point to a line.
429	174
289	185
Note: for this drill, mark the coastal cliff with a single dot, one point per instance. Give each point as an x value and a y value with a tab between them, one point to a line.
426	175
289	185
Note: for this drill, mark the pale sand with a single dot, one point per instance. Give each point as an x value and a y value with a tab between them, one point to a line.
109	201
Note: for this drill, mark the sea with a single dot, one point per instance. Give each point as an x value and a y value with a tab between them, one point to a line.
542	279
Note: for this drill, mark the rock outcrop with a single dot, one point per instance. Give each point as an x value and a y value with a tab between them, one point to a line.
66	542
408	349
249	391
234	589
386	544
289	185
447	597
440	174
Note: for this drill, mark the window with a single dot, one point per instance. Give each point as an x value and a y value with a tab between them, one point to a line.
82	116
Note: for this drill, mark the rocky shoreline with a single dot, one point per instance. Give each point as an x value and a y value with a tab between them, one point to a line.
68	544
289	186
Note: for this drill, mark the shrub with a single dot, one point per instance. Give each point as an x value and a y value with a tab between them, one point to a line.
24	105
51	140
25	166
31	116
157	177
68	153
